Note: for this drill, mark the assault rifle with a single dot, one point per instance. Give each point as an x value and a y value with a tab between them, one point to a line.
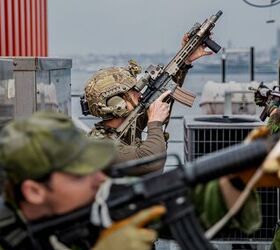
268	95
169	189
157	79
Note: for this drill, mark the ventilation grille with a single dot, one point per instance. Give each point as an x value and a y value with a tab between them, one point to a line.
203	138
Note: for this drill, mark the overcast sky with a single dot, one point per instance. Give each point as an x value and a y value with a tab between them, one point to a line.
148	26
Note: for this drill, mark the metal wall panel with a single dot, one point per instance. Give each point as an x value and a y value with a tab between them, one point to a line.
7	93
42	84
23	28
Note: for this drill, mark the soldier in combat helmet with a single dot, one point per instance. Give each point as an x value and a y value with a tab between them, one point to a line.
110	95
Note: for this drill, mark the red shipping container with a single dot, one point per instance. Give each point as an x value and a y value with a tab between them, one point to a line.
23	28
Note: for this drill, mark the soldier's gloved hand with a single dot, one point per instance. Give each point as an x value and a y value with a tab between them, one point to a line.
259	99
130	234
261	95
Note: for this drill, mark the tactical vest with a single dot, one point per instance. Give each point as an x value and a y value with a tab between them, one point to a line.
100	131
78	234
13	232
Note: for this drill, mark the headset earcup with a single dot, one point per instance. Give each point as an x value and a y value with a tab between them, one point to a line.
119	106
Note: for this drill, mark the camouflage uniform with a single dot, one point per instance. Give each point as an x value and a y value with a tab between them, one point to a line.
274	122
154	144
274	126
33	148
276	239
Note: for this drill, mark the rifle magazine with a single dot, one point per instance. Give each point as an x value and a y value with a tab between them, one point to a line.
183	96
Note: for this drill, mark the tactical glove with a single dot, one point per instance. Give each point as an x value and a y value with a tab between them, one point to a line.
261	96
130	234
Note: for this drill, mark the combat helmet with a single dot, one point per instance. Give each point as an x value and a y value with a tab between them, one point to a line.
105	91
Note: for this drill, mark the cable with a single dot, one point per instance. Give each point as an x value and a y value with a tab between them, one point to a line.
273	3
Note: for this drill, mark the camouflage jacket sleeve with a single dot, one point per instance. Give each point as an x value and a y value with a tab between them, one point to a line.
276	240
211	207
274	122
274	126
154	144
180	77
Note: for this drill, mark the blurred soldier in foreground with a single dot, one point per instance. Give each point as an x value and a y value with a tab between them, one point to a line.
272	166
111	95
52	169
273	112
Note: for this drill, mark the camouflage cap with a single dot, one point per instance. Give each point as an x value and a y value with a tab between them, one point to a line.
109	82
34	147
